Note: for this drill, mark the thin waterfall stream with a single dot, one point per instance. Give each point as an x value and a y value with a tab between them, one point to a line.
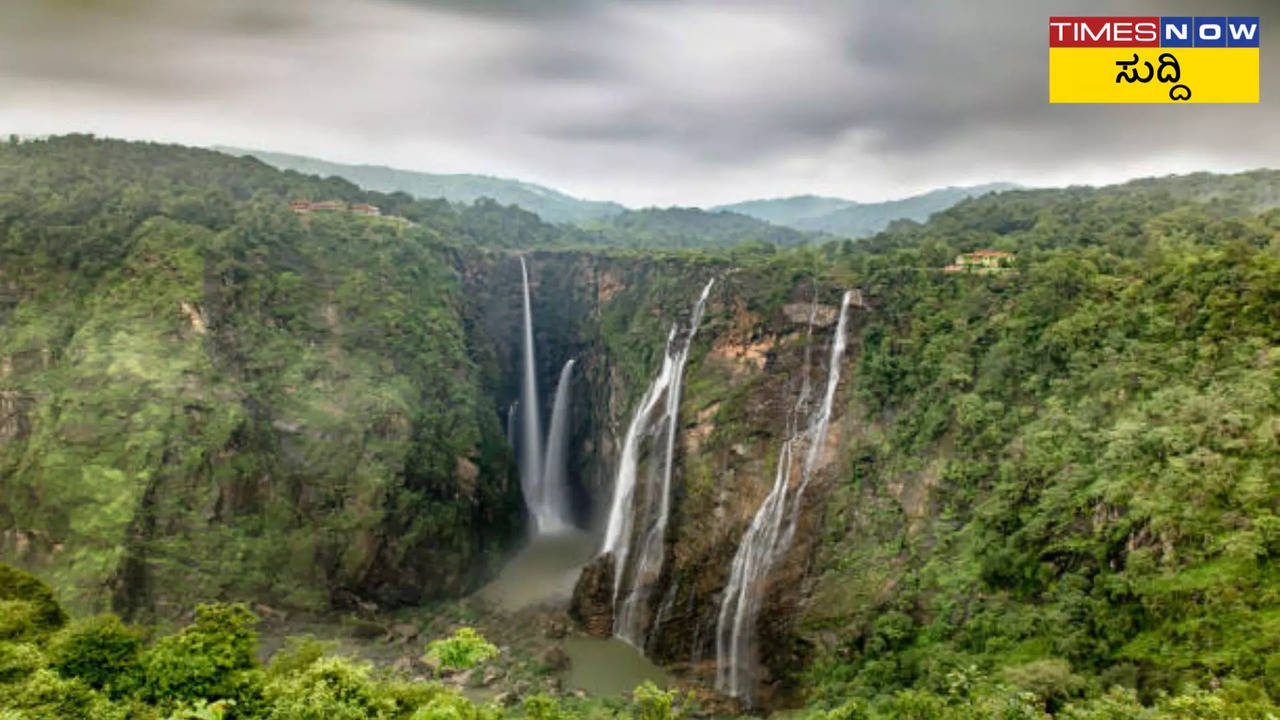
641	505
530	419
772	529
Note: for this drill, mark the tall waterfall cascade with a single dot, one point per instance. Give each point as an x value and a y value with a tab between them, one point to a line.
641	503
772	529
544	483
554	490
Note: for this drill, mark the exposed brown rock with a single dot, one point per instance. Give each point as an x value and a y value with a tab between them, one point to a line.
592	604
467	474
14	424
750	354
823	315
698	433
556	630
555	658
403	632
196	316
609	286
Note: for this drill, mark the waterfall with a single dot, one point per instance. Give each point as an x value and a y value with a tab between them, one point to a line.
645	513
511	423
771	531
554	496
543	476
530	420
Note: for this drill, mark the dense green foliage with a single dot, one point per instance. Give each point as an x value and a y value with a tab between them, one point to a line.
1068	470
691	228
24	595
202	391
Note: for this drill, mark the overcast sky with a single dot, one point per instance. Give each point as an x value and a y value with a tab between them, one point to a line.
644	102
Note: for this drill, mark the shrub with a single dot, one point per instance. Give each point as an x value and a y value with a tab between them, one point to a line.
328	689
18	660
653	703
452	706
102	651
465	649
204	659
297	654
18	619
541	707
45	695
17	584
1051	680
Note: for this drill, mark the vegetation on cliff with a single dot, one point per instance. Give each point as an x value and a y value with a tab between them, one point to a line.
1064	475
207	393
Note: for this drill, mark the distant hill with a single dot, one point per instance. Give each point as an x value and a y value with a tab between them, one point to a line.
854	219
687	227
551	205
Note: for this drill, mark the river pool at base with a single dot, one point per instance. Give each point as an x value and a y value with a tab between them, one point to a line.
544	572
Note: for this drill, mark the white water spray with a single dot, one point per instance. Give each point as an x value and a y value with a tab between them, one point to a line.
530	420
769	536
553	499
642	517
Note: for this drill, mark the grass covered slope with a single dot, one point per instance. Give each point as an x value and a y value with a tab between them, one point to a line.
205	393
1065	476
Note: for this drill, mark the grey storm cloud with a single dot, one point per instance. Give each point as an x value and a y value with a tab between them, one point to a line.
691	102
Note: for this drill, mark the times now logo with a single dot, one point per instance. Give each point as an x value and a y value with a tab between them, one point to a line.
1152	31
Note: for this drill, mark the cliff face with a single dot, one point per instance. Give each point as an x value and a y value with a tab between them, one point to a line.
745	373
204	394
312	422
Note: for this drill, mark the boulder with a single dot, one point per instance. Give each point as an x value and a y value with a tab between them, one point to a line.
592	604
555	658
403	632
491	676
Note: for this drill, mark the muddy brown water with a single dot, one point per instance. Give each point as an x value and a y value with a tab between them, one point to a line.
608	667
543	574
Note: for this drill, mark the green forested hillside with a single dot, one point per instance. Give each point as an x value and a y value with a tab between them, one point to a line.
207	393
690	228
1066	475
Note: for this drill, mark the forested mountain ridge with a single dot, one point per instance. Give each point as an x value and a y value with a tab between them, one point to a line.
693	228
848	218
551	205
1050	487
